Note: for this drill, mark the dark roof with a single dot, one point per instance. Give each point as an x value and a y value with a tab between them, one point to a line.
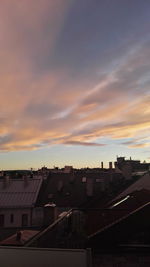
119	211
141	183
69	190
123	229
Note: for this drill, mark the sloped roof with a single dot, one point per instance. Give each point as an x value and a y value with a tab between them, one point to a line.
26	235
19	193
117	211
142	183
122	229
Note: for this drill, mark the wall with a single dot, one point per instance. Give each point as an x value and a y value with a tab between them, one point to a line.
121	260
25	257
17	216
37	216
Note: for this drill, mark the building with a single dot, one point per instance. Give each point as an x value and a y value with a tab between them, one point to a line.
130	167
17	202
76	189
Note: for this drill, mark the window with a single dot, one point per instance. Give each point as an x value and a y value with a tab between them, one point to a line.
11	218
24	220
1	220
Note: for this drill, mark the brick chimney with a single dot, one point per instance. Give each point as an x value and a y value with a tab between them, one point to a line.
50	214
110	165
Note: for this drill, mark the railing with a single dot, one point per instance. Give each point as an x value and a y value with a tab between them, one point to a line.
78	225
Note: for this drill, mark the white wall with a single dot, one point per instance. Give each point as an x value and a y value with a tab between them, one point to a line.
17	216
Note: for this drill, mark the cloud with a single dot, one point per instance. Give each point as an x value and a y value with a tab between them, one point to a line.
136	144
82	143
140	145
42	104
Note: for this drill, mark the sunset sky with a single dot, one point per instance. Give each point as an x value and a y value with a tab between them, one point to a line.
74	82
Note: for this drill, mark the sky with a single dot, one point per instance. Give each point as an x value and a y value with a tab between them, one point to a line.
74	82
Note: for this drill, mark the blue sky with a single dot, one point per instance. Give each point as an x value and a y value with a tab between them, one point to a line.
74	82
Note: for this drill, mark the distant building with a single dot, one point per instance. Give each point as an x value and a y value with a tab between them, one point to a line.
68	169
128	167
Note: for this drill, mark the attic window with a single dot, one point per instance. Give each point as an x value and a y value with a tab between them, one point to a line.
84	180
119	202
98	180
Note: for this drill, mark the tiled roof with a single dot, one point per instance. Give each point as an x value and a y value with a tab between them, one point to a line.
19	193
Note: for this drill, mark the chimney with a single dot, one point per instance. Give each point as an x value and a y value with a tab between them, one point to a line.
50	213
110	165
102	165
18	235
6	181
1	173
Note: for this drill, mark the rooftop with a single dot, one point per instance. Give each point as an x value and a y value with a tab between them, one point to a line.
20	238
19	192
141	183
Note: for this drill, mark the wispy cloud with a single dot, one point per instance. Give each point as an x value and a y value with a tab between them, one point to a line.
82	143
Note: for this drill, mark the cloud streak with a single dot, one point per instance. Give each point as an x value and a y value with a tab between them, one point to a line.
77	143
